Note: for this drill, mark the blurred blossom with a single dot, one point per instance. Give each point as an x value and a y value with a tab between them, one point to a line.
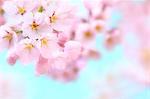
113	84
11	87
136	43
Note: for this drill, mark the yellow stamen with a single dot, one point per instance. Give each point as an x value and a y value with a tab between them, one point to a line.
88	34
40	9
53	19
8	37
98	28
18	32
34	26
44	42
21	10
1	11
29	46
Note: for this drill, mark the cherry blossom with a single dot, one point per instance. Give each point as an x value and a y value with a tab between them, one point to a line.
34	25
12	57
18	9
48	44
136	39
8	37
27	51
50	34
39	35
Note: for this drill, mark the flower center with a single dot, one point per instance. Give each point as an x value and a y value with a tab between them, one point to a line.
8	37
34	26
21	10
29	46
18	32
40	9
146	56
44	42
98	28
53	18
1	11
88	34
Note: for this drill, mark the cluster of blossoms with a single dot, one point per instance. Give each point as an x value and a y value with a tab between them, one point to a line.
96	24
51	35
37	31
